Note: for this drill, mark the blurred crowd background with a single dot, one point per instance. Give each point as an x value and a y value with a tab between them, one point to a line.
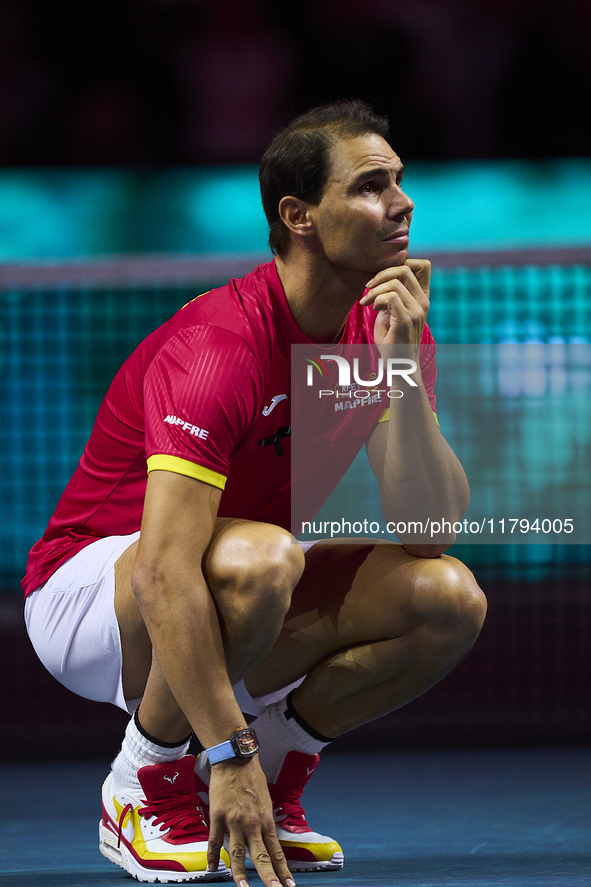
165	82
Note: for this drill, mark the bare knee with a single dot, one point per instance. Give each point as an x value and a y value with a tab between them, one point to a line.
450	599
253	573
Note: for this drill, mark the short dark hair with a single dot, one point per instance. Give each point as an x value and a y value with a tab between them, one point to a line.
297	162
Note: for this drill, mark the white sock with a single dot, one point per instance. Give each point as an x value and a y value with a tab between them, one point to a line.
139	751
278	735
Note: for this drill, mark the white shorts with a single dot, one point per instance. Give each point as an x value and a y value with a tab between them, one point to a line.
72	625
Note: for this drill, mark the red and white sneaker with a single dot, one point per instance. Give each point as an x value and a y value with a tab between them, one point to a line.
305	850
159	834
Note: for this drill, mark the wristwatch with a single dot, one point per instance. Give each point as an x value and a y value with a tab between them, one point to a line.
241	744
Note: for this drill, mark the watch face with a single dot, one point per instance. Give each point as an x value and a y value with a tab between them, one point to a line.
246	742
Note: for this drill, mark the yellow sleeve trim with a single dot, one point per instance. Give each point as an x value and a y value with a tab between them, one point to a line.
189	469
386	415
196	297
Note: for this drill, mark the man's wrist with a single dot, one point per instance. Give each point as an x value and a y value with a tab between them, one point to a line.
241	745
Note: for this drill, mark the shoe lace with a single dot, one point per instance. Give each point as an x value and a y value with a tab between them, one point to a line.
287	806
180	813
122	818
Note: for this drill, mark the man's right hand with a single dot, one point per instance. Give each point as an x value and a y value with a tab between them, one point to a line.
240	807
400	297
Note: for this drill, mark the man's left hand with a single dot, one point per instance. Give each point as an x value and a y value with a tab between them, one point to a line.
400	295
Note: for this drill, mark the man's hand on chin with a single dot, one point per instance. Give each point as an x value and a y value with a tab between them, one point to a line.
400	296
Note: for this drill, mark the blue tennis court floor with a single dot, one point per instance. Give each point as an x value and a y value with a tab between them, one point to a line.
502	818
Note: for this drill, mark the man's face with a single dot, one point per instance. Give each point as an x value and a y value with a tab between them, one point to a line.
363	218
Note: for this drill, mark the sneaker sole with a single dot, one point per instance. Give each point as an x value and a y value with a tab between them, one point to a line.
127	861
335	863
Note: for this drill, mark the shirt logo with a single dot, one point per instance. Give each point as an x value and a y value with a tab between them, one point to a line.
284	431
188	426
274	401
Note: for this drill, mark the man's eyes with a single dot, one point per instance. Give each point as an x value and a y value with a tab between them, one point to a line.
371	187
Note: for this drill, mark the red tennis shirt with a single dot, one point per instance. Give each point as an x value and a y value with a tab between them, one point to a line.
208	395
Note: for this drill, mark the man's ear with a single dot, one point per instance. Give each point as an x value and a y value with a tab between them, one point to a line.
294	215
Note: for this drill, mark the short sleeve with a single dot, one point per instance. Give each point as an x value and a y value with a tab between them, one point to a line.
429	366
201	393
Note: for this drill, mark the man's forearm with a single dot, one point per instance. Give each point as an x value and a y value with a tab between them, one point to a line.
184	629
421	478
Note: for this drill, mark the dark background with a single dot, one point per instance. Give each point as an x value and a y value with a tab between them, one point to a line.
164	82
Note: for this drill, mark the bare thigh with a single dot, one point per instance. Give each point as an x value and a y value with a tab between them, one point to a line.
356	592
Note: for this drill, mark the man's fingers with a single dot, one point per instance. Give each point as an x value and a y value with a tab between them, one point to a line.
400	305
396	288
393	303
278	859
421	269
264	863
237	854
415	274
390	286
399	319
214	846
